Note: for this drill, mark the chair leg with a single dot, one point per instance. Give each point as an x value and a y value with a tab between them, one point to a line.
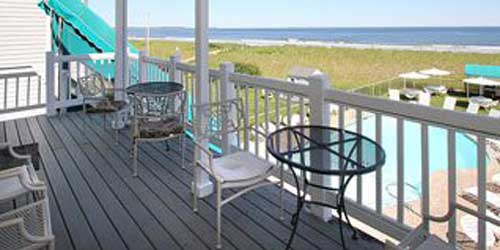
135	158
282	189
183	154
219	217
195	188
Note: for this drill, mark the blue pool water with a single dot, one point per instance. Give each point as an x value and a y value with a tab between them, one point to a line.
466	156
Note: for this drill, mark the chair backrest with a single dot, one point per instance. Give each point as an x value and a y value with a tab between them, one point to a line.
394	94
424	98
473	108
221	118
495	113
160	106
450	103
92	85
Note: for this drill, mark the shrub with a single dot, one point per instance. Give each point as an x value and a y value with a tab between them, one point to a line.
247	68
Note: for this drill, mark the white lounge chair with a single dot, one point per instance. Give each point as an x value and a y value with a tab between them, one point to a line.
469	227
394	95
473	108
492	199
450	103
424	99
495	113
436	89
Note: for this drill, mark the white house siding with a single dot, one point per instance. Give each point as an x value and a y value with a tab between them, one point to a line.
24	39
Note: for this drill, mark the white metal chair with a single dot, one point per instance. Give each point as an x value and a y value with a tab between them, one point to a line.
473	108
95	93
394	95
424	99
495	113
19	180
28	227
241	170
157	119
450	103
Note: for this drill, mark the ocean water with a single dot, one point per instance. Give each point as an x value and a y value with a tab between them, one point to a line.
460	36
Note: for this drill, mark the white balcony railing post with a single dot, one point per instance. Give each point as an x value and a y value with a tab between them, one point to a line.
50	84
174	74
320	115
143	66
228	92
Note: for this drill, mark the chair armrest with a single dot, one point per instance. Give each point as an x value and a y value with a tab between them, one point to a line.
205	152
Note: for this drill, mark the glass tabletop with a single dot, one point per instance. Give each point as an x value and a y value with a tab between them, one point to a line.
154	88
344	152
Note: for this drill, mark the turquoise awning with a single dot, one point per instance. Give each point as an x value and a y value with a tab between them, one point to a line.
488	71
77	30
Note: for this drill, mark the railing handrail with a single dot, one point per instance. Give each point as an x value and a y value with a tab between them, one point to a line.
16	75
86	57
431	115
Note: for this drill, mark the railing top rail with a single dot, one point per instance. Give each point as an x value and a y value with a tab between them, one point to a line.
272	84
433	116
16	75
156	60
87	57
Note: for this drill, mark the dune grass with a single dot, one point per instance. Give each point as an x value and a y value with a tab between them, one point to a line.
347	68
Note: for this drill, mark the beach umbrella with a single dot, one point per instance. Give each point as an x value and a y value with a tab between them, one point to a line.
413	76
481	82
435	72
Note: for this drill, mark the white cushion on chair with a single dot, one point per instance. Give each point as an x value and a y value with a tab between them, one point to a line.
241	166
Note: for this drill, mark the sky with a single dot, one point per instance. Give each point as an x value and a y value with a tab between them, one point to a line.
310	13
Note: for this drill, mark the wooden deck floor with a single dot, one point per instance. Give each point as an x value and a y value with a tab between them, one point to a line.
97	204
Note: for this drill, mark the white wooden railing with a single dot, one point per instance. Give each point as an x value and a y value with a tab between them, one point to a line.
318	104
20	89
64	71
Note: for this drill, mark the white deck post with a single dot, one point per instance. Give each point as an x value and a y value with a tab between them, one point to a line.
203	184
121	50
143	66
50	84
228	92
174	74
320	115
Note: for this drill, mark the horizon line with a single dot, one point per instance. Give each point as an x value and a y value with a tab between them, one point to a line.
322	27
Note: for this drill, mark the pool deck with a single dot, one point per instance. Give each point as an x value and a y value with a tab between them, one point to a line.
97	204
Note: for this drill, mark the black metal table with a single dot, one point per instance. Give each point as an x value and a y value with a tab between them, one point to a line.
324	151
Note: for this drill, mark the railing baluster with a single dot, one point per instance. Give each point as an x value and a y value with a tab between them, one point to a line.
425	173
359	179
266	116
5	89
28	92
39	101
341	116
378	139
400	171
17	93
247	137
481	181
256	122
452	186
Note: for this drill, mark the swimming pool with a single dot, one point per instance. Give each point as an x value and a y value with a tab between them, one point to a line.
466	157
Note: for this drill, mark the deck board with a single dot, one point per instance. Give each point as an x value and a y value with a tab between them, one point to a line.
97	204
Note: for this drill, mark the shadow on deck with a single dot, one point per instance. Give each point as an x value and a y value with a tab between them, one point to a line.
97	204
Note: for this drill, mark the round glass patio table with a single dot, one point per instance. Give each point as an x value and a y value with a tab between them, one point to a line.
154	88
325	152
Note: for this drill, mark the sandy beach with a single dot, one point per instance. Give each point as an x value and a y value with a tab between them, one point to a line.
295	42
